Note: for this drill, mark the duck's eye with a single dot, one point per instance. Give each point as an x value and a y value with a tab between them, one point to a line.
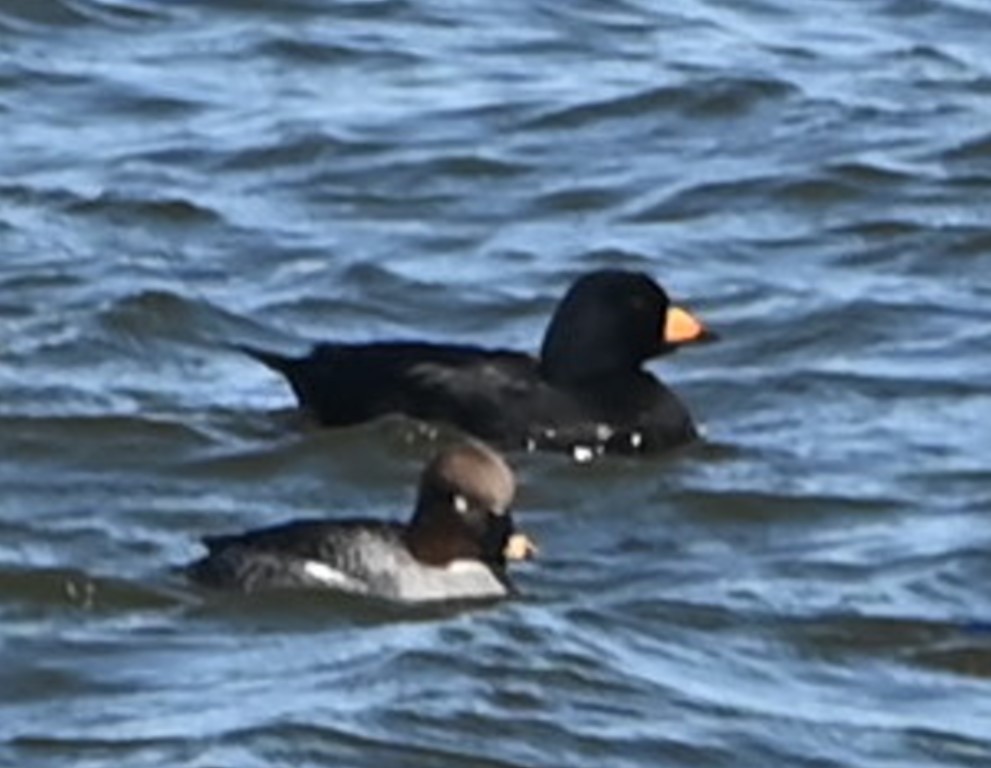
460	503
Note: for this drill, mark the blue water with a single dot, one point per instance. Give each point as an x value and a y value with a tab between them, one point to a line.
808	587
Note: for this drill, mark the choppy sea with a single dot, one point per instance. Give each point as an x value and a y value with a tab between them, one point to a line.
808	587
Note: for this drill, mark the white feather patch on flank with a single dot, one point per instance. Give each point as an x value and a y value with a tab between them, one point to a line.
459	579
582	454
467	567
326	574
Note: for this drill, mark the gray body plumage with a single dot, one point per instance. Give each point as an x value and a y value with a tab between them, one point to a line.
365	558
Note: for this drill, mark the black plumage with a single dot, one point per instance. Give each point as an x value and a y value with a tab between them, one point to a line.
586	391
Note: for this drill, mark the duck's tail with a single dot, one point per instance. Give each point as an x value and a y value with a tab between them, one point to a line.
277	362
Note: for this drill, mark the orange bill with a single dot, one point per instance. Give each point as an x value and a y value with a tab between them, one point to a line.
520	547
682	327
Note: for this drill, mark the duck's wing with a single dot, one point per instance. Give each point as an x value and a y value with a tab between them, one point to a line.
345	384
302	553
495	396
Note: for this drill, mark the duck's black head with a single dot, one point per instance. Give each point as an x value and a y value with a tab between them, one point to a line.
611	321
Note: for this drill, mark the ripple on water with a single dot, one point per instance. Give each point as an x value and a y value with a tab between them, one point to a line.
27	15
699	99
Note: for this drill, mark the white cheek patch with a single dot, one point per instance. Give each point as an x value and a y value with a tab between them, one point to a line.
325	574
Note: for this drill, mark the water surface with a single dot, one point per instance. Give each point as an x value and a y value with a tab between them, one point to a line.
807	588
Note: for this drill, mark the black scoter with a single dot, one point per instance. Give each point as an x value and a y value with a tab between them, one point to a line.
586	393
